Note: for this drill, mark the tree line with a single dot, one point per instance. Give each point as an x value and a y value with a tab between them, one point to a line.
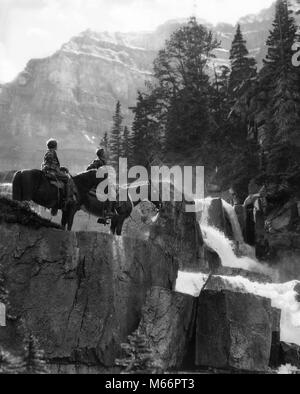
239	122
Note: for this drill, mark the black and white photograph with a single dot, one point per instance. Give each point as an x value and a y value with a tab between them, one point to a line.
149	190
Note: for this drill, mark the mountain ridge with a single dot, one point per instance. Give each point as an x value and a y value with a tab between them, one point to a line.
71	95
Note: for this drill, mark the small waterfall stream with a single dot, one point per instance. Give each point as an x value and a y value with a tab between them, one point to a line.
283	296
6	190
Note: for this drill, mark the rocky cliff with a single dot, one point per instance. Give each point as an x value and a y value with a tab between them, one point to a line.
81	295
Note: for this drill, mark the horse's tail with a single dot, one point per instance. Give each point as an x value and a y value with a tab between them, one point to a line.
17	192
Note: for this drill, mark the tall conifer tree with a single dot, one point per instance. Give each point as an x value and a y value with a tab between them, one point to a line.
116	136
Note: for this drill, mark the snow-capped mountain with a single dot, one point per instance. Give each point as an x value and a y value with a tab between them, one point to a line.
72	95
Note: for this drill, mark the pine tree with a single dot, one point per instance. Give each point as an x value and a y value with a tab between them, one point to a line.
181	71
126	145
105	145
280	80
243	67
146	140
33	360
238	155
139	358
115	144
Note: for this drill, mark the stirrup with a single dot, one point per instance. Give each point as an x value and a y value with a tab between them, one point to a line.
103	221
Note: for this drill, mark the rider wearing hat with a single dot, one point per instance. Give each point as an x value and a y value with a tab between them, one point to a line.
51	168
99	162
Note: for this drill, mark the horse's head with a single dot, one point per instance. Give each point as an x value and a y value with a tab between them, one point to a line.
87	180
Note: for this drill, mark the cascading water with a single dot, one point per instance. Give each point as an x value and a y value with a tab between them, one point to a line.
225	248
6	190
283	296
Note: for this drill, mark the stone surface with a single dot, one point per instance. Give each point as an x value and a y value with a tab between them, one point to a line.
216	214
80	293
275	348
234	331
178	234
168	321
290	354
240	211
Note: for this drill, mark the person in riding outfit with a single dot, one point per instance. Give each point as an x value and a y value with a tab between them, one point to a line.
108	210
51	168
99	162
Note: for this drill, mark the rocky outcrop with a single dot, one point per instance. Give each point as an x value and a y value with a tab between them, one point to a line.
289	354
81	294
178	234
234	331
277	237
15	212
168	323
223	330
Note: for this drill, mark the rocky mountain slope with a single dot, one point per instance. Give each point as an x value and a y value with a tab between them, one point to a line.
72	94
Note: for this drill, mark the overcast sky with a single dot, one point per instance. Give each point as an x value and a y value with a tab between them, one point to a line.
37	28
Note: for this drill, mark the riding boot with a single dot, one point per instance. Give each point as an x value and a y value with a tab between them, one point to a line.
67	198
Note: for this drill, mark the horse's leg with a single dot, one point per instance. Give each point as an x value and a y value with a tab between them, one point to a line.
71	214
113	226
120	224
64	219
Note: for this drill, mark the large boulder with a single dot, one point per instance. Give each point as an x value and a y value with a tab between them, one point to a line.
168	322
178	233
290	354
81	294
275	348
234	331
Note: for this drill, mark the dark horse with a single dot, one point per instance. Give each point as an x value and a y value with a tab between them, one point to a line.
122	209
32	185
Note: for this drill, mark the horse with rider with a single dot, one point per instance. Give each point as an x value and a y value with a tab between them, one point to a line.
54	188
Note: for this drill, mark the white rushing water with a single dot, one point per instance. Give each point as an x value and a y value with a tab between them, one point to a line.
283	296
5	189
216	240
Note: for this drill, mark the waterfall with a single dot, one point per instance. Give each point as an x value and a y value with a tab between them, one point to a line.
235	224
283	296
244	248
6	190
216	240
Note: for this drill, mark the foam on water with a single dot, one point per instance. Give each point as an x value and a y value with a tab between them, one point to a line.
283	296
216	240
5	189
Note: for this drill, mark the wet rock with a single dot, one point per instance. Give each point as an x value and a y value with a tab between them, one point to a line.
290	354
250	227
178	234
275	348
216	214
213	259
81	294
296	241
167	321
297	290
234	331
241	215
